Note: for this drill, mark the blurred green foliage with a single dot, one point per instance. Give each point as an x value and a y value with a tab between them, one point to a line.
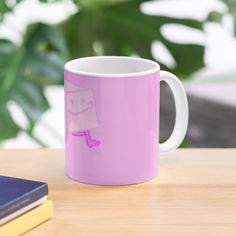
102	27
232	10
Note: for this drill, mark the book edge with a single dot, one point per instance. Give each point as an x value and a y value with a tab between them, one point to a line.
21	211
29	220
34	195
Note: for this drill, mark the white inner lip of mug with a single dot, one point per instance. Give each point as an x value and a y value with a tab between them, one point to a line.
112	66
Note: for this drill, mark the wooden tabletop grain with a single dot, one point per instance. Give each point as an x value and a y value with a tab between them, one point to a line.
195	194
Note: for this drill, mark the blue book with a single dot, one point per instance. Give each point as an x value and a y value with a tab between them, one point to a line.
16	194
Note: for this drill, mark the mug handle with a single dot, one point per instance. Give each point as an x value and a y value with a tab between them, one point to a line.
181	111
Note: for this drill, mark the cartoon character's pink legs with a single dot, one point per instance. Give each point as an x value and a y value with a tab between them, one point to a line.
90	142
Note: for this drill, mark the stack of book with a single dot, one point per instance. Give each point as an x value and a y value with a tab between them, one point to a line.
23	205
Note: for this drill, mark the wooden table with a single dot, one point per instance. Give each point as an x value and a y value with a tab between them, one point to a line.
195	194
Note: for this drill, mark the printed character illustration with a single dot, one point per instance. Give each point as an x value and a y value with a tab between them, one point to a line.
80	113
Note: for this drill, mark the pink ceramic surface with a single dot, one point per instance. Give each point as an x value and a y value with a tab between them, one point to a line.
112	120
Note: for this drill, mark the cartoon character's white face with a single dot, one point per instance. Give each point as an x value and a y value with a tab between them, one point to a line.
79	102
80	108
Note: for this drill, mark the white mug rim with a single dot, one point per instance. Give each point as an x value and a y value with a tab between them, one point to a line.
155	67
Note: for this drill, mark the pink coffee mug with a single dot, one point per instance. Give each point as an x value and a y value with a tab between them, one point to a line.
112	119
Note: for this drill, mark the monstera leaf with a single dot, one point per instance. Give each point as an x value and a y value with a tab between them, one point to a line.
101	27
120	28
25	71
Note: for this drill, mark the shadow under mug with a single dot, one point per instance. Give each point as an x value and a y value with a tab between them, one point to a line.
112	119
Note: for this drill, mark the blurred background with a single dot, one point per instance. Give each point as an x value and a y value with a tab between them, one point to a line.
195	39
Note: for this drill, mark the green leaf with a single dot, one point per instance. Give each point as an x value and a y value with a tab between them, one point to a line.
7	54
91	5
49	1
215	16
189	58
122	29
31	99
4	7
101	27
26	70
8	128
80	34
